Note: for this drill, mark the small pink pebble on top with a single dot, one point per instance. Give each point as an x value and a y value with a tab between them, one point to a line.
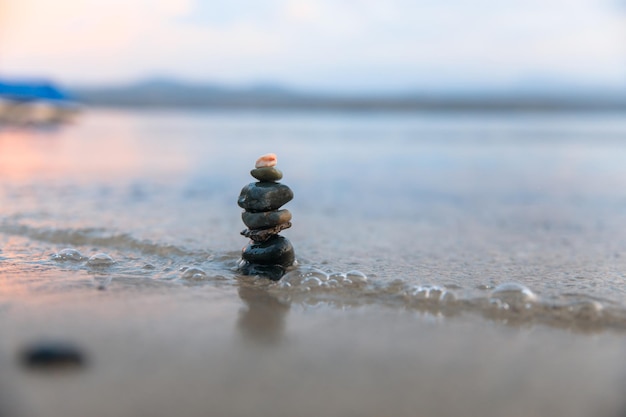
267	160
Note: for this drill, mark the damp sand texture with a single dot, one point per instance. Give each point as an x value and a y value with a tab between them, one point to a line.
447	264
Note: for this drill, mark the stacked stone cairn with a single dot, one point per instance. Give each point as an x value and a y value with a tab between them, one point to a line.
267	254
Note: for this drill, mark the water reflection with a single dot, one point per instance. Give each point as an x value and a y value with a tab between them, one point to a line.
96	149
263	320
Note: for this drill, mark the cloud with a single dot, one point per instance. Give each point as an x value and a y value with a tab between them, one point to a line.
320	43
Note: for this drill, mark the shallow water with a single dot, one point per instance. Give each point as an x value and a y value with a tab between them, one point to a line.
434	250
461	204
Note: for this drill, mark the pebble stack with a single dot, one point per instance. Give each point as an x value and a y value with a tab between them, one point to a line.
267	254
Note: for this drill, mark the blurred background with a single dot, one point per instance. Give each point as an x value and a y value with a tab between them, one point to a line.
465	159
316	53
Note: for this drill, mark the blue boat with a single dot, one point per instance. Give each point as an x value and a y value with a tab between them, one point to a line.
34	102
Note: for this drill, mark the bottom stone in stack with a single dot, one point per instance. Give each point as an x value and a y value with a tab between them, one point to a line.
273	272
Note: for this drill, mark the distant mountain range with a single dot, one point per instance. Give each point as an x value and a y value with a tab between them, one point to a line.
173	94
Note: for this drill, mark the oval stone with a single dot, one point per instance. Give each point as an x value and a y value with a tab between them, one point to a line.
265	219
277	250
264	196
267	174
267	160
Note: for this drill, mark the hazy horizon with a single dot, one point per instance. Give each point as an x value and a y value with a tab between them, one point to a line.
531	86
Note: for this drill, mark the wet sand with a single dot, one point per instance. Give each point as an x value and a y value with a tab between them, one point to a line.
191	351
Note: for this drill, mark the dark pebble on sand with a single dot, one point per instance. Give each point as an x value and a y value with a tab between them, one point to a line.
265	219
52	355
277	250
264	196
267	174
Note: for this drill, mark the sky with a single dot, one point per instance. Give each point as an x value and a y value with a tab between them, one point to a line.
340	45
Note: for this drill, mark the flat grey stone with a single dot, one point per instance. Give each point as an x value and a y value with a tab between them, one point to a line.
265	219
261	235
267	174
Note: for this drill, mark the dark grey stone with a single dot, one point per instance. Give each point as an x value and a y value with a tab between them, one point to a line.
52	354
261	235
273	272
267	174
276	250
265	219
264	196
